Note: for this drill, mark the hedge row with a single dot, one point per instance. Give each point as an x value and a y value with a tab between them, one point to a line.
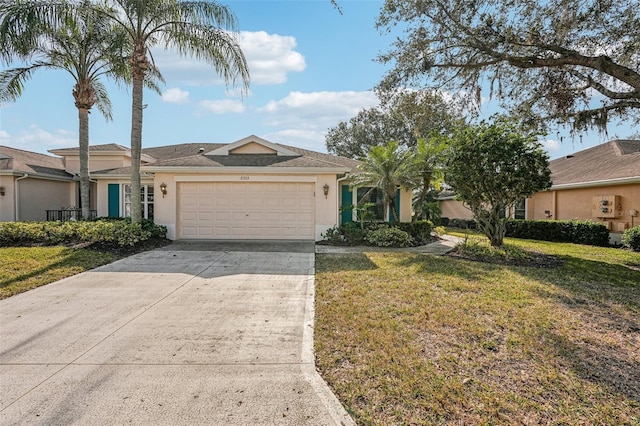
119	232
380	234
570	231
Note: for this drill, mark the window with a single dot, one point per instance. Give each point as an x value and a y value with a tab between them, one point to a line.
520	212
146	196
371	195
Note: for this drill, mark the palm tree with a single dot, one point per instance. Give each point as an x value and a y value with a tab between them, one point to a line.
387	168
427	165
87	48
202	29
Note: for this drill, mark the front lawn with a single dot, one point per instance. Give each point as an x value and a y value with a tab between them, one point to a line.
24	268
412	339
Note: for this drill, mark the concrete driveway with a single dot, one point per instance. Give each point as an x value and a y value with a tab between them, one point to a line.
189	334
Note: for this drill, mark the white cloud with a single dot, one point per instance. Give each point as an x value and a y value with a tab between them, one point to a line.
175	96
551	145
270	58
309	139
223	106
40	140
316	110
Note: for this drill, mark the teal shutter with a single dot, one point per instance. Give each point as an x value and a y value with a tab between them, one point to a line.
396	202
113	193
347	200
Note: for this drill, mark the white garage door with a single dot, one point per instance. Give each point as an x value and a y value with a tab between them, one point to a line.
246	210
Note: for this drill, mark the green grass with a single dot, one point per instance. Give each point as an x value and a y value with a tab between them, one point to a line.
412	339
24	268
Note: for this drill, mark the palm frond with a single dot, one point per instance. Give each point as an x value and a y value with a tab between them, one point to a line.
12	80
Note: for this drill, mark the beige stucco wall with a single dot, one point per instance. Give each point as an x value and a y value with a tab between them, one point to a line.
454	209
252	148
35	196
567	204
406	208
7	209
102	162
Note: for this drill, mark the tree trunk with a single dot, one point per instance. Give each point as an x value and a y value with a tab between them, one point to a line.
84	95
426	180
391	205
140	64
83	136
492	226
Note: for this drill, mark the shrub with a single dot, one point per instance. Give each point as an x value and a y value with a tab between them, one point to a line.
117	232
352	233
631	238
439	230
420	230
572	231
388	237
462	223
333	235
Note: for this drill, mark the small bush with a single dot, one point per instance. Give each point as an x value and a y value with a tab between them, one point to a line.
439	230
631	238
388	237
352	233
462	223
419	230
571	231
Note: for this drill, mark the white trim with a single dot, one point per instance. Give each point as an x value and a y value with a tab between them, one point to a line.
245	178
247	170
280	150
618	181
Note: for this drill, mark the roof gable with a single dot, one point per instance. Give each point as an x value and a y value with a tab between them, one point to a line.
253	145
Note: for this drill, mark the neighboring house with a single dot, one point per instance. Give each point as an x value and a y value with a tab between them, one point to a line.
249	189
600	183
32	183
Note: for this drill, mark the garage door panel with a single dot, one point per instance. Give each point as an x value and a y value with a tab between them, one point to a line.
273	210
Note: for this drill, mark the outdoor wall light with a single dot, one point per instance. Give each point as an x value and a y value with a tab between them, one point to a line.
2	191
326	189
163	189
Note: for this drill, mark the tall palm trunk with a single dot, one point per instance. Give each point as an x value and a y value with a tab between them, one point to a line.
84	96
140	65
83	132
426	180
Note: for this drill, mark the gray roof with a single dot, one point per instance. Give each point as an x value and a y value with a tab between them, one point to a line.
616	159
20	161
171	152
193	155
95	148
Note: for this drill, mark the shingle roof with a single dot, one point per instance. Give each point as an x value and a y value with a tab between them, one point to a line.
616	159
103	147
170	152
191	155
20	161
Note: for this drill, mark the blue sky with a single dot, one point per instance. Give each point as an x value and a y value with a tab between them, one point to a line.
311	67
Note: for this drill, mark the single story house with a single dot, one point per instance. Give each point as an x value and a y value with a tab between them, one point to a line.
601	183
31	183
248	189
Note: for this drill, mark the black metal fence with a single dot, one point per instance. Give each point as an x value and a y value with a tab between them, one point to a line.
66	215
